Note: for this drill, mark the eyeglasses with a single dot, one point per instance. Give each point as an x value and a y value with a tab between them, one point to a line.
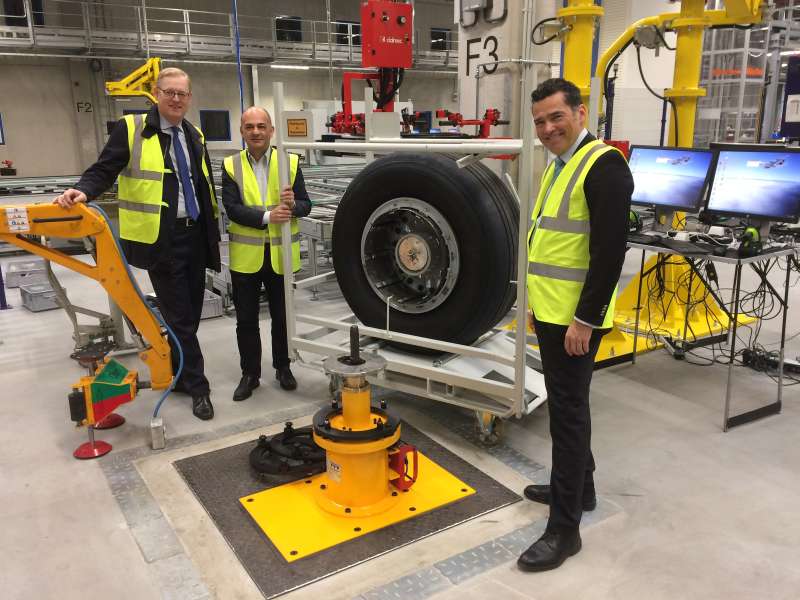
175	94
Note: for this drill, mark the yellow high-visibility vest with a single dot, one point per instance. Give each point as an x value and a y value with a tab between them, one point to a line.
558	241
246	244
140	193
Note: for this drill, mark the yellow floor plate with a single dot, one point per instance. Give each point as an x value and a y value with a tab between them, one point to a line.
294	523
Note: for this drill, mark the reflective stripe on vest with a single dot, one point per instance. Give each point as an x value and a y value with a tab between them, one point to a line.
559	243
555	272
247	243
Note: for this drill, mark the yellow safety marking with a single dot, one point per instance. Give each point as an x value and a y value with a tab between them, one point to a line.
293	521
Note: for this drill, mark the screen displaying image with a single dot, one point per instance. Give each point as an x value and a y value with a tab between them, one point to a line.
759	184
670	177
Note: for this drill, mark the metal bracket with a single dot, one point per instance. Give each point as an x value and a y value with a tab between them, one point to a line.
469	159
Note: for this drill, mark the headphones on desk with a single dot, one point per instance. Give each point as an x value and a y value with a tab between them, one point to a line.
750	243
634	221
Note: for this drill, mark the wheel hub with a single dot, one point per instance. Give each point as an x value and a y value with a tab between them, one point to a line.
410	255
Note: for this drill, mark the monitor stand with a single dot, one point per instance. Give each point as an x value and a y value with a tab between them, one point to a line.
663	220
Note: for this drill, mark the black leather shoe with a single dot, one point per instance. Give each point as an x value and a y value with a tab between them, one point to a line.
202	407
549	551
541	494
245	388
285	378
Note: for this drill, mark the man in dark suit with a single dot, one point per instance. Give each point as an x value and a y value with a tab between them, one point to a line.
257	208
576	250
167	214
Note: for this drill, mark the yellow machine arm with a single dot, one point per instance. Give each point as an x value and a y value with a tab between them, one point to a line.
141	82
17	222
689	23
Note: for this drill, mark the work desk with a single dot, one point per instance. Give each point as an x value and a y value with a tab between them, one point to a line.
760	265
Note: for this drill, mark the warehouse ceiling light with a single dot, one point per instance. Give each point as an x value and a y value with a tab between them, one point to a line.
295	67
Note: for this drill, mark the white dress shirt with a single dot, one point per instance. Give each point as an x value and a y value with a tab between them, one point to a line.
261	171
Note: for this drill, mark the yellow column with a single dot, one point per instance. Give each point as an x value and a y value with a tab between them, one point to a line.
581	16
685	88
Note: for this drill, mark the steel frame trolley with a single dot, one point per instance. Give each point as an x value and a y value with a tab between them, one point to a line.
493	376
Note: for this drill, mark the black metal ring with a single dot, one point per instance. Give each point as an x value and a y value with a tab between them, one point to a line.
368	435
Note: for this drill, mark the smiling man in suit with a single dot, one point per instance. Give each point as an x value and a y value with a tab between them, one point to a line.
576	247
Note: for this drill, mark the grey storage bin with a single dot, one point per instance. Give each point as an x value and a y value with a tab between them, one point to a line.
37	297
212	306
20	272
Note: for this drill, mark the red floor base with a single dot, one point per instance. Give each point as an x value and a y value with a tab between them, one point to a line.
89	450
110	421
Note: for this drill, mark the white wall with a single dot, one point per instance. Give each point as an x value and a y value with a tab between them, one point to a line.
39	117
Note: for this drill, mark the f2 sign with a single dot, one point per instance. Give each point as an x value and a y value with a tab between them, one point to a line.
85	107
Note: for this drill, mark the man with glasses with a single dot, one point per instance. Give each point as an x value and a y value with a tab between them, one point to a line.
167	215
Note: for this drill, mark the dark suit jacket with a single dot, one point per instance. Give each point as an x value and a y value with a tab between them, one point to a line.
114	158
252	217
608	188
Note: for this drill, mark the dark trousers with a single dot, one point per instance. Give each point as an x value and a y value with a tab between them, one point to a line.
179	281
246	294
567	379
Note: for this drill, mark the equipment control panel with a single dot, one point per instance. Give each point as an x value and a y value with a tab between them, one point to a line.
386	34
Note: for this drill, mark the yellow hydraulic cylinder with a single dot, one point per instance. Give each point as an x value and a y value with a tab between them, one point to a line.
356	410
581	16
356	440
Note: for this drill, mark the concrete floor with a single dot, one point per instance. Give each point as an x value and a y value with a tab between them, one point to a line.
686	511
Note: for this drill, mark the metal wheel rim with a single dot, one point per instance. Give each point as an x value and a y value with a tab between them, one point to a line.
409	254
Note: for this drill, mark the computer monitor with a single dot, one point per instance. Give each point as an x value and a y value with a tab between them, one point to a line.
669	178
761	185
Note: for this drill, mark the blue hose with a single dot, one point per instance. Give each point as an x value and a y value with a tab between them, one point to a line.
239	58
157	316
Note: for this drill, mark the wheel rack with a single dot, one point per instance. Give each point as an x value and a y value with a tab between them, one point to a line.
495	376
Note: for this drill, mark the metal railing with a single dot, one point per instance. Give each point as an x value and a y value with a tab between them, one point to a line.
70	26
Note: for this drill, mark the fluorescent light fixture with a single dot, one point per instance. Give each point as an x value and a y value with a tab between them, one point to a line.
290	67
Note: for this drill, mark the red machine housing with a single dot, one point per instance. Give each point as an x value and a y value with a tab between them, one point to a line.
386	28
386	34
623	146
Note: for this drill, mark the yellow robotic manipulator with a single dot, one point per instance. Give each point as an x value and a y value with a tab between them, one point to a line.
371	481
94	397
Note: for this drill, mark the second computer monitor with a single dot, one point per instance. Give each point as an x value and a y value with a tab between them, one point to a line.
670	178
759	184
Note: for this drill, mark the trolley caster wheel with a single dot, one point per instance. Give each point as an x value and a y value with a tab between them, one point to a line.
489	428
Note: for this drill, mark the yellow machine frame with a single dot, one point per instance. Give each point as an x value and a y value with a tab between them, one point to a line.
141	82
81	221
690	23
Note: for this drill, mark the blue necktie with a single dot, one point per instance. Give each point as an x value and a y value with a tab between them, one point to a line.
559	165
186	180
